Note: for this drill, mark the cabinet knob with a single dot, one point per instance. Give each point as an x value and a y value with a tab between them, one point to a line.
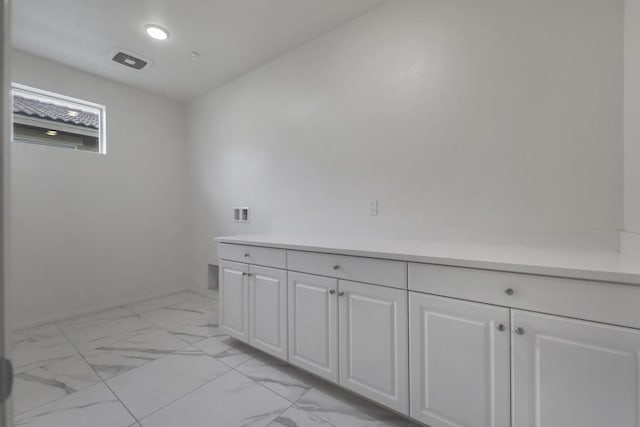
332	291
245	274
501	327
246	255
336	267
509	291
519	330
340	294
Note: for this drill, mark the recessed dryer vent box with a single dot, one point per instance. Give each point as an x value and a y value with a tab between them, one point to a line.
241	214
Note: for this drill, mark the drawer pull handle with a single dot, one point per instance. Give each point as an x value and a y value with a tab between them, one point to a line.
519	330
340	294
336	267
331	291
509	291
246	255
501	327
245	274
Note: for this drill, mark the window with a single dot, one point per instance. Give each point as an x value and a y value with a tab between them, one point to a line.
46	118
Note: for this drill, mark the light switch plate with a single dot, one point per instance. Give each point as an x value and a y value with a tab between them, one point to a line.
373	207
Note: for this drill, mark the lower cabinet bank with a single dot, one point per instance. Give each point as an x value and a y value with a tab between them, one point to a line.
445	346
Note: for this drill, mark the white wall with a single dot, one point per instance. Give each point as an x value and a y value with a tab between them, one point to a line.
455	114
632	117
88	230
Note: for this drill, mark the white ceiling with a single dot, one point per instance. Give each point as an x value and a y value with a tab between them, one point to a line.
232	36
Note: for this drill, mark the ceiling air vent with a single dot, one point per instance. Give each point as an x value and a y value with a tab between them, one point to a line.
129	59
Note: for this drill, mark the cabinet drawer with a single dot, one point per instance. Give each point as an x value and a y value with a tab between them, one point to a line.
357	269
257	255
598	301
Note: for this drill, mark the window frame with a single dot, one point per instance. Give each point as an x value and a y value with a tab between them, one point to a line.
102	119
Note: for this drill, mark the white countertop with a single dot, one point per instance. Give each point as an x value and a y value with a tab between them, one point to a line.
578	264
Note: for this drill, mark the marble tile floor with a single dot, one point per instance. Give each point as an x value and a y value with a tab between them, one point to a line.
164	363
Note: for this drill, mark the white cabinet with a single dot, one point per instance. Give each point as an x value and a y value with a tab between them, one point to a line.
253	306
459	362
461	347
361	327
373	330
268	310
313	324
574	373
234	301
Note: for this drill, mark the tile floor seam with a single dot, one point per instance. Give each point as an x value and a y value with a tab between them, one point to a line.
187	344
303	410
269	390
320	381
316	380
125	306
227	363
66	319
293	404
59	323
181	396
103	381
246	361
305	393
40	365
187	347
278	416
155	308
142	315
185	395
61	328
35	408
264	386
167	330
16	412
311	412
318	417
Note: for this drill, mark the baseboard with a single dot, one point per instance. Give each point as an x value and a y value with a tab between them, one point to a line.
630	244
16	326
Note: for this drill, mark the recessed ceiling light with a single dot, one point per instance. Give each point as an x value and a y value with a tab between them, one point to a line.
73	113
156	32
52	132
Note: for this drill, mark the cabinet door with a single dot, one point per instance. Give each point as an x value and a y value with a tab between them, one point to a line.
313	324
268	310
459	362
373	343
574	373
234	299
